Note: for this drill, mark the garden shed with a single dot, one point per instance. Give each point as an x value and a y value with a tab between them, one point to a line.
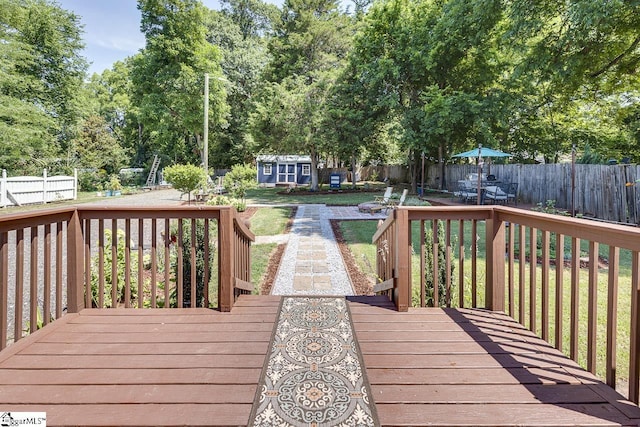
283	170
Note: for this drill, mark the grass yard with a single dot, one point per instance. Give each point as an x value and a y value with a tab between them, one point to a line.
270	196
266	221
358	235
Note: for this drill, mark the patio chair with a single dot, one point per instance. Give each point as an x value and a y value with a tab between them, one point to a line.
391	204
495	193
512	192
466	192
379	202
384	199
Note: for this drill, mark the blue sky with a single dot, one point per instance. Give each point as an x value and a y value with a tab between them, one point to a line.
111	29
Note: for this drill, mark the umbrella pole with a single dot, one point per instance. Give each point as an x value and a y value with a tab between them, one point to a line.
479	174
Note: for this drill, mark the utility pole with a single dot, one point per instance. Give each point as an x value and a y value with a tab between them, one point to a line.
205	150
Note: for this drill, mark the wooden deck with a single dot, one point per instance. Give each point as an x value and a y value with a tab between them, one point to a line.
200	367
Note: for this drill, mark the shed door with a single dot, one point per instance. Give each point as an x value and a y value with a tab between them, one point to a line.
287	172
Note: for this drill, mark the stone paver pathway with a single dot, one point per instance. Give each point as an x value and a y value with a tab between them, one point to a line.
312	263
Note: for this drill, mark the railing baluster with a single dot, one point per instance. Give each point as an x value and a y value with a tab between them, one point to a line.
193	263
612	314
474	263
559	289
127	263
101	263
461	263
436	267
59	257
423	266
140	262
114	263
180	281
87	263
17	325
447	261
46	312
533	285
634	347
575	296
545	284
4	287
207	266
154	262
33	281
511	283
592	319
167	243
521	273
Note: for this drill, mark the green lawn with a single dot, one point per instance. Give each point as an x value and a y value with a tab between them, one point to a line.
270	196
266	222
358	236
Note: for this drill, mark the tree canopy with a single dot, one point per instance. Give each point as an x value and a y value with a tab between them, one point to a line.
390	81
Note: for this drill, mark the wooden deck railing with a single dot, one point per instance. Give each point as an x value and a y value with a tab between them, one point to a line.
511	265
52	261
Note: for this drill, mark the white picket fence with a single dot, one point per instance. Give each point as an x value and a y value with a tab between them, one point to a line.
25	190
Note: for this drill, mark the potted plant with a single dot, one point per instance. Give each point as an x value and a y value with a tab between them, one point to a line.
114	185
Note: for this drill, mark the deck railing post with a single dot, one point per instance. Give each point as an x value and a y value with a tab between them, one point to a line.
495	278
75	264
226	255
403	259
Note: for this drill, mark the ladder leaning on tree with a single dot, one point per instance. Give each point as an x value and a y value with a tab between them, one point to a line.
151	179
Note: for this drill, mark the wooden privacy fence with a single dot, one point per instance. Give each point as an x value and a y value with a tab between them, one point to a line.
23	190
71	258
574	282
607	192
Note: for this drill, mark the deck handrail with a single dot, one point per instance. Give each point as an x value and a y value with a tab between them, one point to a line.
34	246
518	245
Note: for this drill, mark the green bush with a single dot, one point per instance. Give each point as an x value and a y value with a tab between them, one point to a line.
185	178
240	179
442	268
240	205
186	262
108	278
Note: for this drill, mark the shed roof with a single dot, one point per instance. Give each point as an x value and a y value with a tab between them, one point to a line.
283	158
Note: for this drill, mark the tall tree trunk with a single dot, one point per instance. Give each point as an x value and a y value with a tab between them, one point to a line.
353	169
314	170
442	185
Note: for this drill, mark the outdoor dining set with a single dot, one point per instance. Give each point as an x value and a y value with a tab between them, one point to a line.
490	190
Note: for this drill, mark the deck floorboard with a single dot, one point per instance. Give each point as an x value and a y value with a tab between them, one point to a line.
201	367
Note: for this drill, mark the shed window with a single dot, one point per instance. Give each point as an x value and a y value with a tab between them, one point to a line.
267	169
306	170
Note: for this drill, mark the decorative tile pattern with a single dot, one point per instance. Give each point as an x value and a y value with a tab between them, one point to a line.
314	375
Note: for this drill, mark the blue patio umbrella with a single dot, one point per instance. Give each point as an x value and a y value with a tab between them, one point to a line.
479	153
483	152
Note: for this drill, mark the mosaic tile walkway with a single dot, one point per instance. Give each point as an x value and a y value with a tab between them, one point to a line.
314	375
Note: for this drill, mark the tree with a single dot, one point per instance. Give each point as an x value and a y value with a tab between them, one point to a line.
244	59
185	178
310	43
41	72
168	77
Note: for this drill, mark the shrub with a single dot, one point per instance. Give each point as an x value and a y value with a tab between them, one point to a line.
108	278
186	262
240	205
442	267
185	178
240	179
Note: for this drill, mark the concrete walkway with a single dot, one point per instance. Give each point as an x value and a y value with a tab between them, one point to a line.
312	263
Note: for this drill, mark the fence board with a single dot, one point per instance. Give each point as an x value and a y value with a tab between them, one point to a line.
607	192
